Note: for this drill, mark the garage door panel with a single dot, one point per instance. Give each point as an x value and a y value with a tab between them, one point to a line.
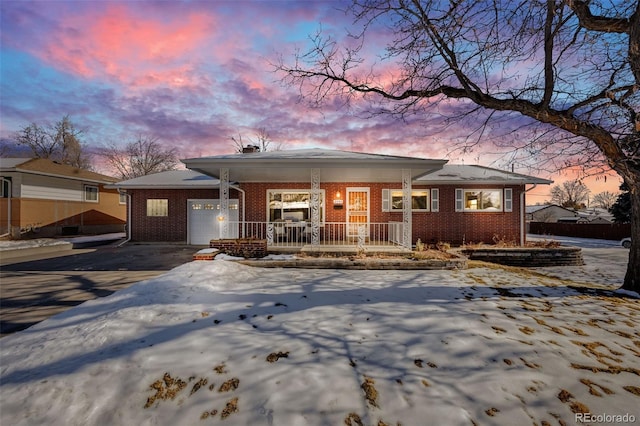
203	220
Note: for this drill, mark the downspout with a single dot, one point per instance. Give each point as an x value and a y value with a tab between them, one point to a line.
523	213
128	218
237	188
8	206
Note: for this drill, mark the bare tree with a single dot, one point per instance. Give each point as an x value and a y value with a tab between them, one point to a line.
565	73
572	194
59	142
261	140
67	138
604	200
142	157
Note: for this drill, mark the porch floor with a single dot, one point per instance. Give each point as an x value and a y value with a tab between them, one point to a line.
339	249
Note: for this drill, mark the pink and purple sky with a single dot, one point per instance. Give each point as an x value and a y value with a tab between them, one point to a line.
195	73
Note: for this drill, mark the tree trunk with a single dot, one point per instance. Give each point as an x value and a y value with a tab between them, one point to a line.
632	277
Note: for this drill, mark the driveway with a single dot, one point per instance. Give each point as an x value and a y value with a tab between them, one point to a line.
33	290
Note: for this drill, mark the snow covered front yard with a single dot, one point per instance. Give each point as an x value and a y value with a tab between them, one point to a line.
222	343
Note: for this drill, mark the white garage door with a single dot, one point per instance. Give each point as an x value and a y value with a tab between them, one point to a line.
203	222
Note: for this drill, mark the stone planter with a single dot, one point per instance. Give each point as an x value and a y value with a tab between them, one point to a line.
527	256
241	247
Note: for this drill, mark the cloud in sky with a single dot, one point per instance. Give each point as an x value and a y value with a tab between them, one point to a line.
193	73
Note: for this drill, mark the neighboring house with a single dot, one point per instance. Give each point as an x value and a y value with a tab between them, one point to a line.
596	215
317	197
40	197
550	213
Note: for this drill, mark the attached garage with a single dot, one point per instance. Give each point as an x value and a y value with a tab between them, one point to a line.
177	206
202	220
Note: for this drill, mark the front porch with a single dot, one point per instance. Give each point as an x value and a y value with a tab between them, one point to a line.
332	237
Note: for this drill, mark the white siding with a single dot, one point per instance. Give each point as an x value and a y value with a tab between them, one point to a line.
50	188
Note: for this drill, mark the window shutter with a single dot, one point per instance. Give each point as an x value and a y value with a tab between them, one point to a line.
435	199
385	200
508	200
459	200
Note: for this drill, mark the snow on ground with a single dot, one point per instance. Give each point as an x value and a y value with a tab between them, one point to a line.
223	343
44	242
25	244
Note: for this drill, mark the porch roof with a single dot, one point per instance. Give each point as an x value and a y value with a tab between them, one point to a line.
294	166
459	174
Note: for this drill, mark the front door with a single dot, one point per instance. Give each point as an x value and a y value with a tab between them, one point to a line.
357	212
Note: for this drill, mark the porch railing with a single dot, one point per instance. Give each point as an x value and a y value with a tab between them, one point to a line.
296	234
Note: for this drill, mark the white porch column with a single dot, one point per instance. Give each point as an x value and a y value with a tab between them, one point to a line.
406	209
223	218
315	207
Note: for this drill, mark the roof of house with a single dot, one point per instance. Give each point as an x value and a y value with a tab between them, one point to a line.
458	173
534	209
173	179
296	165
46	167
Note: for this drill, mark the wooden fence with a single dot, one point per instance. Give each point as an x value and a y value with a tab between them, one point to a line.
603	231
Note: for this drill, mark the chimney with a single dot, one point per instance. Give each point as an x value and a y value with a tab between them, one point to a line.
250	148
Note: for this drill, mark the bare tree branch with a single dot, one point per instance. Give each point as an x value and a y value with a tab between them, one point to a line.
566	71
142	157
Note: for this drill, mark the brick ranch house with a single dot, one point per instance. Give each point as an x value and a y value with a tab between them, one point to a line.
327	197
42	198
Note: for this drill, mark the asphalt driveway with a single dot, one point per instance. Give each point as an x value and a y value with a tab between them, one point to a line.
33	290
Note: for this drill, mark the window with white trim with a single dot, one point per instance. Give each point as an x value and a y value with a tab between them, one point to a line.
483	200
392	200
291	205
91	193
4	188
157	207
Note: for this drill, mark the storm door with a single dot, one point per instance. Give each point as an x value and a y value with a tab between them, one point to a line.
357	212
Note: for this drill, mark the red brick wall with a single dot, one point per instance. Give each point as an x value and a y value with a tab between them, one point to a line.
446	225
173	227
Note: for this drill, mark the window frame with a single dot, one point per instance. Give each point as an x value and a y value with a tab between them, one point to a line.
85	193
506	197
296	191
387	199
160	207
5	187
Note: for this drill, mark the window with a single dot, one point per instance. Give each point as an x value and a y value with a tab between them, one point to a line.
157	207
291	205
5	187
91	193
392	200
481	200
211	206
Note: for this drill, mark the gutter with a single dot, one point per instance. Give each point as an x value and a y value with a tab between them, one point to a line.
128	218
523	213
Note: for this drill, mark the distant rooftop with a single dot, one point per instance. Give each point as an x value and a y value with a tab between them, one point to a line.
46	167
